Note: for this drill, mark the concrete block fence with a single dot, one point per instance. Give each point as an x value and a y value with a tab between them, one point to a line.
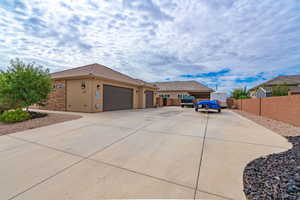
284	108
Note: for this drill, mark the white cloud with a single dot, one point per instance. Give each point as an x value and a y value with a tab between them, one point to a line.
158	39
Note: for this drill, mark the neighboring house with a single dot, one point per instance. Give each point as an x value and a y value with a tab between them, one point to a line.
180	89
96	88
265	89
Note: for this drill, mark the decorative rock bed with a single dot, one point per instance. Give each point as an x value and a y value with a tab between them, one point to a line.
276	176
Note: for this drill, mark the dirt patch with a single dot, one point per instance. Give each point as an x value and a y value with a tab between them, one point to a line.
276	126
51	118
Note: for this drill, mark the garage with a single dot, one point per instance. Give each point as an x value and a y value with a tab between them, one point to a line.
97	88
117	98
149	99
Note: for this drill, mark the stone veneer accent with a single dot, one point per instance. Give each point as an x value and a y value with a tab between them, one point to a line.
57	97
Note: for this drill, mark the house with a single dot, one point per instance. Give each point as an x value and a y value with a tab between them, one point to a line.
292	82
180	89
97	88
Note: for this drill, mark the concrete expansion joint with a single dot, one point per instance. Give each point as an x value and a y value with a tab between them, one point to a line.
201	156
83	158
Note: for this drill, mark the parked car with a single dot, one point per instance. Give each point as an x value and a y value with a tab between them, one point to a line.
221	97
207	105
188	101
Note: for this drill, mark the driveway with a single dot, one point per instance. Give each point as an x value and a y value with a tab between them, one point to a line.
152	153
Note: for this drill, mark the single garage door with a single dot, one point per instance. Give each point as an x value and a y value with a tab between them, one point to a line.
117	98
149	99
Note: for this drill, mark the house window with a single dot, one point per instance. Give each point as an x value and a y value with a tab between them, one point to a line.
164	95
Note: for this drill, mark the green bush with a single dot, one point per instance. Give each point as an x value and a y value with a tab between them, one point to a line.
280	90
13	116
22	85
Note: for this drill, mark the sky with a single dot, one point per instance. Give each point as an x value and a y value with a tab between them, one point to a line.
228	43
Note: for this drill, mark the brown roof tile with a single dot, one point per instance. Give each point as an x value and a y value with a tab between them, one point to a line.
100	71
289	80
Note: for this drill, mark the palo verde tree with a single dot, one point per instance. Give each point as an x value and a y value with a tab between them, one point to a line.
22	85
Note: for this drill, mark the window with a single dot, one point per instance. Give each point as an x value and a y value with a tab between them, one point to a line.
164	95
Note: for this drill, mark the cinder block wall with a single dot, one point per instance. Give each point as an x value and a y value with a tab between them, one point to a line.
285	108
251	106
57	97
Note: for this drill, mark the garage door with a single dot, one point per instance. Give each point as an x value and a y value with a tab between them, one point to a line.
117	98
149	99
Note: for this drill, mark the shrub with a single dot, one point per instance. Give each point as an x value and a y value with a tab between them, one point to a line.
22	85
240	93
280	90
13	116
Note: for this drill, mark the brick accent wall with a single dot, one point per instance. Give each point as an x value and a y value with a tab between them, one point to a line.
285	108
170	101
57	98
159	101
173	102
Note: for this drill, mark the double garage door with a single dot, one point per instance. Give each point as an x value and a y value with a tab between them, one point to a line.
117	98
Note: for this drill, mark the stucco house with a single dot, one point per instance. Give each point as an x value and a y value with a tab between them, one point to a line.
292	82
179	89
97	88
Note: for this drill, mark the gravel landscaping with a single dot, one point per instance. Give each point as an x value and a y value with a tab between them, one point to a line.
276	176
39	120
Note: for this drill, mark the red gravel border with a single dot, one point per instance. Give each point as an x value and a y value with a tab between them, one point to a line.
51	118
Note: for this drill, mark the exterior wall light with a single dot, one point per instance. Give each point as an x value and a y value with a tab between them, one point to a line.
83	85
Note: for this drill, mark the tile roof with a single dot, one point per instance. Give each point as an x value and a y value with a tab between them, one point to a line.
100	71
289	80
192	86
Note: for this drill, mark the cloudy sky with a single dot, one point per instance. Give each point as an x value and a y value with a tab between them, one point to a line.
229	43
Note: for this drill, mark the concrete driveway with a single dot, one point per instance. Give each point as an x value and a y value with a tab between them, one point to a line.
152	153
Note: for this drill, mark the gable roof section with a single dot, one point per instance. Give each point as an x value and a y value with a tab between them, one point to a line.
100	71
192	86
290	80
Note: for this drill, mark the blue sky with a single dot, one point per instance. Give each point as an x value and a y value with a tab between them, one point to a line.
231	43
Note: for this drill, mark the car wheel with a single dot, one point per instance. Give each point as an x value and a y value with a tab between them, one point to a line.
219	110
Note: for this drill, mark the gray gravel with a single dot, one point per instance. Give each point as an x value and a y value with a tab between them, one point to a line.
276	176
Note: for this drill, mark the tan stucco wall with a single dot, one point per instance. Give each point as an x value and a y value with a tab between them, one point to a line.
85	100
142	96
77	98
172	94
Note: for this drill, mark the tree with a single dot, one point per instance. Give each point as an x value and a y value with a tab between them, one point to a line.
280	90
22	85
240	93
5	102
